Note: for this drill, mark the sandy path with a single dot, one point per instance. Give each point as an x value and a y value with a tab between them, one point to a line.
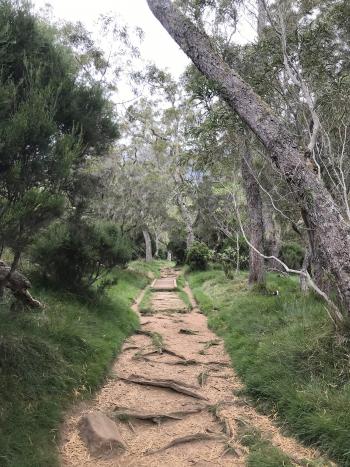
186	335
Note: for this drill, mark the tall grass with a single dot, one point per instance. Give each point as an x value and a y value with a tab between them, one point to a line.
285	350
51	358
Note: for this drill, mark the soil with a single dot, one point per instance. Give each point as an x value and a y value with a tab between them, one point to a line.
176	347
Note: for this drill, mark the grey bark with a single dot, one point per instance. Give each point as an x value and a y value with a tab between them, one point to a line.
186	216
148	245
272	231
262	16
256	223
329	228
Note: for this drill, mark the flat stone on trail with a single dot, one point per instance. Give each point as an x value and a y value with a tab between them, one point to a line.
100	433
166	283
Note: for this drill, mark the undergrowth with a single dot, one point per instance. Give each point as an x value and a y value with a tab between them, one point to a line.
51	358
285	350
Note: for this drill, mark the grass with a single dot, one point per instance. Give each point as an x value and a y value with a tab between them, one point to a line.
145	305
181	283
285	350
51	358
262	453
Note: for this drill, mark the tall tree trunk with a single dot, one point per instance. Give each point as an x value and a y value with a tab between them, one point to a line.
256	222
331	233
272	231
156	239
262	17
148	245
186	216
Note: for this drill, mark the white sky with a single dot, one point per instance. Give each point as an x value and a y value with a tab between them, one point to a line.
157	46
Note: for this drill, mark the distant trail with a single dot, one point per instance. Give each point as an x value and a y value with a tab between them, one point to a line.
175	404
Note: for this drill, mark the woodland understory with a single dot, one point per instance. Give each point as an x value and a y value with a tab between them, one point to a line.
238	172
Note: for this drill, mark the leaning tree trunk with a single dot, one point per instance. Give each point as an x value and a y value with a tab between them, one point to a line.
331	233
148	245
256	222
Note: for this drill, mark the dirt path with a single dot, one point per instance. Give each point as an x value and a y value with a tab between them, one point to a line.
174	349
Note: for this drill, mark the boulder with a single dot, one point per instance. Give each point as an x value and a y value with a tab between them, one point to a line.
100	433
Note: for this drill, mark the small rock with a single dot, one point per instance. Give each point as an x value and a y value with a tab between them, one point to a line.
100	433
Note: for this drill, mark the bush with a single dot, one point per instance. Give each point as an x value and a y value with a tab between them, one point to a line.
198	256
292	254
228	259
77	255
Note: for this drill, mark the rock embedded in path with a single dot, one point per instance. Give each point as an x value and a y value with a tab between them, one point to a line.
100	433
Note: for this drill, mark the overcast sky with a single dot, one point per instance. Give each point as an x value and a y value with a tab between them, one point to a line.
157	45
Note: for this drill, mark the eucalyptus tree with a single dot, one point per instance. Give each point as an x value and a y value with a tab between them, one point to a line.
320	212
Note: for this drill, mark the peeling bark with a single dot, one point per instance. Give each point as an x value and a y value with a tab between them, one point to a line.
330	231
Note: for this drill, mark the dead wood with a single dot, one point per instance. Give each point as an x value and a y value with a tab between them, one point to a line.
188	331
177	386
189	439
18	284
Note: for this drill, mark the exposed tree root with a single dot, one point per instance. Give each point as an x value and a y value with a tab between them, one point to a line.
162	351
189	439
190	332
131	347
127	414
177	386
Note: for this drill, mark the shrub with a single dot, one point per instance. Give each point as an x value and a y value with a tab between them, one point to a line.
77	255
292	254
198	256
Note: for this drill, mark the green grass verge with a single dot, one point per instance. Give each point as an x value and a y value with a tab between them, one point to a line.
181	283
51	358
145	305
285	350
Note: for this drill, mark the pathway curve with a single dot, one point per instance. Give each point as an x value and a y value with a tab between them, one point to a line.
201	414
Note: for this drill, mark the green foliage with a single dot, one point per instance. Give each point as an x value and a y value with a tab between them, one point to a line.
292	254
76	255
285	350
197	256
49	119
55	357
261	451
178	249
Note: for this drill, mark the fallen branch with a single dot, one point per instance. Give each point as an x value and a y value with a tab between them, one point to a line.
177	386
18	284
189	439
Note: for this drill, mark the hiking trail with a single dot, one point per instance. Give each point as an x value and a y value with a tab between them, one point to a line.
172	396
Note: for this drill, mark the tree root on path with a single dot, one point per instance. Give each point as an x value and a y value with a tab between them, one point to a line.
189	439
189	332
177	386
163	350
126	414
